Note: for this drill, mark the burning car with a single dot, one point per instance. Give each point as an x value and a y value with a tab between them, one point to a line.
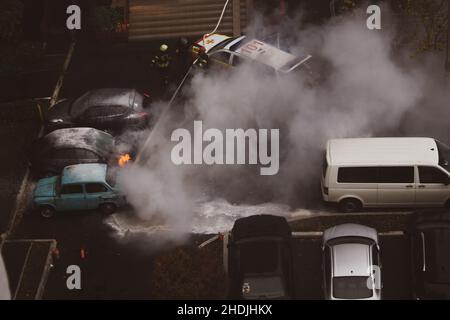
224	51
111	110
260	258
63	147
79	187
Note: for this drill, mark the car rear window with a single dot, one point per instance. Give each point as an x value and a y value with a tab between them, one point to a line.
259	257
351	288
264	288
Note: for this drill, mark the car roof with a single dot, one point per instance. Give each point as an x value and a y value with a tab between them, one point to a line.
80	138
382	151
83	173
350	230
261	226
266	54
269	55
351	259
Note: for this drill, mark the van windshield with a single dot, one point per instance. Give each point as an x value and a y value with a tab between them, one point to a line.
444	155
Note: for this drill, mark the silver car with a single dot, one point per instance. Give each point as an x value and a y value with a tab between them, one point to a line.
351	263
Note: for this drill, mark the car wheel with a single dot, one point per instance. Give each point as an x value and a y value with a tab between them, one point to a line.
47	212
108	208
350	205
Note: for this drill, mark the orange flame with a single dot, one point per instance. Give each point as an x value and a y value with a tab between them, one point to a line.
124	159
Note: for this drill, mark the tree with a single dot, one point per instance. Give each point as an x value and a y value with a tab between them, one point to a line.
426	22
10	20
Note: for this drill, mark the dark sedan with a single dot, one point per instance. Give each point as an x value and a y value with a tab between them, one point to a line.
111	110
64	147
260	258
430	245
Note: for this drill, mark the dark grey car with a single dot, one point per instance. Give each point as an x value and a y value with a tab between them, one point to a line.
64	147
430	249
112	110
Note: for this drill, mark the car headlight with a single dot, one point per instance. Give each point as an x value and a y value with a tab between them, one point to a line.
56	121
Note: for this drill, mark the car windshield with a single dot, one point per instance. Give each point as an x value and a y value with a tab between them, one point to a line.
263	288
444	155
220	45
351	288
78	106
111	176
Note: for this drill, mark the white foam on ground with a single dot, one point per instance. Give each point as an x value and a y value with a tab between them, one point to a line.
209	218
217	216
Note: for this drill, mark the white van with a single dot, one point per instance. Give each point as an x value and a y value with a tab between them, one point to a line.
386	172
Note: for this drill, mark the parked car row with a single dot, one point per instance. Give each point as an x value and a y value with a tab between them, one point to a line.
82	130
258	258
78	155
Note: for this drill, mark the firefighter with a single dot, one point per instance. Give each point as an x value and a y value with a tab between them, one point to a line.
181	61
162	62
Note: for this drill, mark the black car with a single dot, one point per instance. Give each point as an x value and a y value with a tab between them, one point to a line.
63	147
430	248
111	110
260	258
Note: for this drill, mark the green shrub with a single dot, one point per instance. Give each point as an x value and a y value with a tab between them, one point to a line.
105	18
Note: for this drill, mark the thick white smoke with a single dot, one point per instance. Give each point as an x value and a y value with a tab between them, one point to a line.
364	90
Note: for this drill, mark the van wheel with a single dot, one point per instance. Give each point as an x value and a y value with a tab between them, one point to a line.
108	208
46	212
350	205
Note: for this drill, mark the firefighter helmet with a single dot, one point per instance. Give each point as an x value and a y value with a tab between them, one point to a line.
163	47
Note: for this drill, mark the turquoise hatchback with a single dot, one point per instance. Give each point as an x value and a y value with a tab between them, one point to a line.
79	187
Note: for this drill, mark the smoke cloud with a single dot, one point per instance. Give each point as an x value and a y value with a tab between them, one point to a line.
362	88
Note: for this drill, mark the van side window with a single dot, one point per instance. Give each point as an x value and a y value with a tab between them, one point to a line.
432	175
396	175
357	175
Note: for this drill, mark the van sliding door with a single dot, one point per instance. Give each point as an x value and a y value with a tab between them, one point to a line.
396	186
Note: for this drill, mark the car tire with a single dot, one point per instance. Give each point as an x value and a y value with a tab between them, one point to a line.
350	205
108	208
47	212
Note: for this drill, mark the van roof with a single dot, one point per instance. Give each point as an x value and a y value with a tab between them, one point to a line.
382	151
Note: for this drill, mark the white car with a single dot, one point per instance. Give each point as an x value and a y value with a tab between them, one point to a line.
227	51
351	263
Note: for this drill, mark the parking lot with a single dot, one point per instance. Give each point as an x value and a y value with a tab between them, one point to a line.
142	260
